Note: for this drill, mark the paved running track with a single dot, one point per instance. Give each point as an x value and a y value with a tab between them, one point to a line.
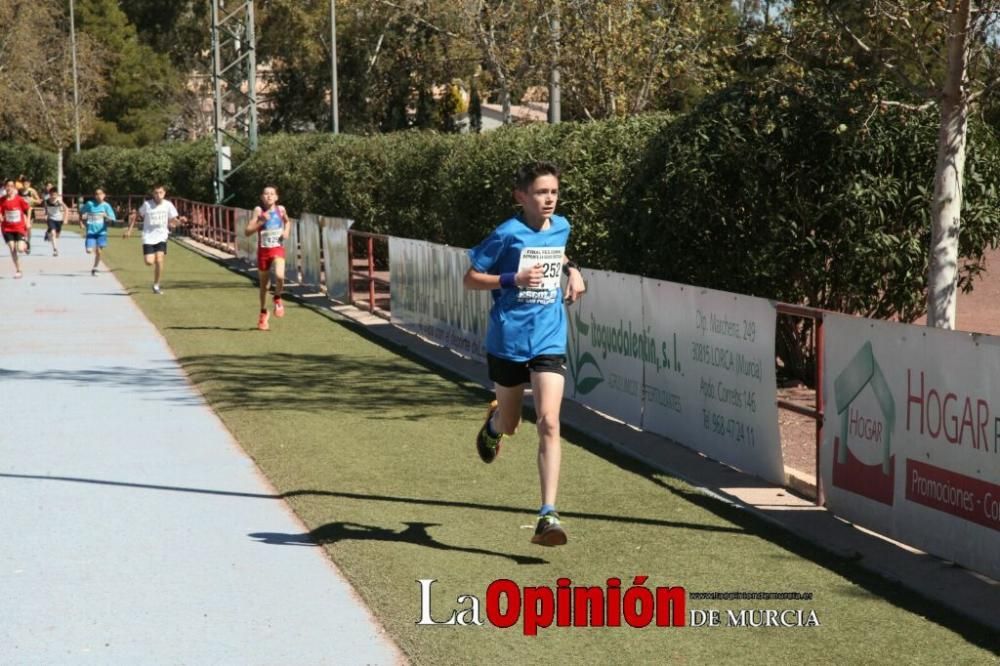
126	507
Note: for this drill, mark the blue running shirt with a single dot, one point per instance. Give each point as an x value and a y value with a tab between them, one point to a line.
525	323
97	223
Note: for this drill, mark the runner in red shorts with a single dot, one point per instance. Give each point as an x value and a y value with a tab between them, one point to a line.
271	224
14	226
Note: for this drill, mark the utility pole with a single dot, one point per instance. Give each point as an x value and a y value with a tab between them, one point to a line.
76	93
234	81
555	93
333	66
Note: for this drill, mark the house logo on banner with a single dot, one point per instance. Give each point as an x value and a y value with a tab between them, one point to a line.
863	460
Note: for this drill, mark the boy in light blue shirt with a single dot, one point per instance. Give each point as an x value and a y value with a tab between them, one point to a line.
521	263
94	218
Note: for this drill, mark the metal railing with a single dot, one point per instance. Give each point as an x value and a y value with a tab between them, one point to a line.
123	205
816	412
211	224
373	273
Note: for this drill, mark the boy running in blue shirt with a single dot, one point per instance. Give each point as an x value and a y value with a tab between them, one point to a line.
521	262
94	218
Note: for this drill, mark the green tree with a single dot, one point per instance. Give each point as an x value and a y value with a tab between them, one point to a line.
943	54
628	56
36	79
475	110
392	50
179	29
143	85
388	53
293	64
513	37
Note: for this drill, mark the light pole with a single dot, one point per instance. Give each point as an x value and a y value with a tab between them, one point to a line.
76	93
555	86
333	65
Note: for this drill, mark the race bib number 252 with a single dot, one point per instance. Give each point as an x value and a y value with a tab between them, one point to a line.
550	259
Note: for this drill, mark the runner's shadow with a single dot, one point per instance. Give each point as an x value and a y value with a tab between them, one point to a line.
415	533
177	285
212	328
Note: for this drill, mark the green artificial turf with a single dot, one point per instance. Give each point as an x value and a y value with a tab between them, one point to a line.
374	451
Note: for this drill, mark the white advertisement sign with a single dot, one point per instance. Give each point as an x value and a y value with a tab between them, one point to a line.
428	298
292	264
911	444
696	365
309	238
246	246
711	384
607	347
335	256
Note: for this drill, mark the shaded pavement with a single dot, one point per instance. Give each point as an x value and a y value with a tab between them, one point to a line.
130	516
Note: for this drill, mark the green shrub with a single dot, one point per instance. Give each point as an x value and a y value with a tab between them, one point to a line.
185	169
792	191
796	192
789	192
39	165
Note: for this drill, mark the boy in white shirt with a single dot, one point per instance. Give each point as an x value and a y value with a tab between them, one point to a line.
158	217
55	215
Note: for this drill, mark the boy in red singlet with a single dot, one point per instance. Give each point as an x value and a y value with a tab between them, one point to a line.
271	224
15	225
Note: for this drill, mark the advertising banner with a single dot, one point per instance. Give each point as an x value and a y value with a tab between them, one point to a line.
246	246
292	264
710	380
335	256
911	445
309	238
428	297
607	348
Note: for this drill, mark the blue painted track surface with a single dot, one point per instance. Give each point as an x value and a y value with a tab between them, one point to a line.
126	508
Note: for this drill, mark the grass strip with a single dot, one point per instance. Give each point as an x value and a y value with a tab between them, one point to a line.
374	451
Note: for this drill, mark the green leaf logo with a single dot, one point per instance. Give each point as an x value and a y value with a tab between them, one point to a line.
577	361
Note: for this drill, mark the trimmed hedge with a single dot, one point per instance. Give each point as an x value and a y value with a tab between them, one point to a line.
39	165
441	187
185	169
796	192
791	191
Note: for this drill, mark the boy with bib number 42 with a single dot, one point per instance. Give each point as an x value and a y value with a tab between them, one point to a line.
522	262
271	224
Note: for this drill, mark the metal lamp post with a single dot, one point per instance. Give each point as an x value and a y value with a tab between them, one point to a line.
333	65
76	93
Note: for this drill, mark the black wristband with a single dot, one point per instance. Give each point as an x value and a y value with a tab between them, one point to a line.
568	265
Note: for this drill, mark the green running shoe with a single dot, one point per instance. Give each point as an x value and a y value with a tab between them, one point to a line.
488	447
549	532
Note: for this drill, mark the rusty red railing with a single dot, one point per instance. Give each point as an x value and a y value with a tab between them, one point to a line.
816	412
373	273
211	224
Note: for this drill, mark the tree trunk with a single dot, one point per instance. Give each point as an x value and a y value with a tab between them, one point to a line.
946	207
